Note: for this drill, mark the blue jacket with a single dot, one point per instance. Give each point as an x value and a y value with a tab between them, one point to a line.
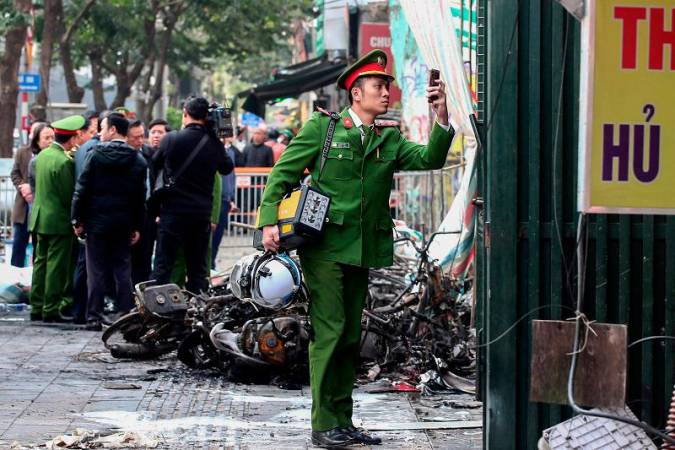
81	154
229	180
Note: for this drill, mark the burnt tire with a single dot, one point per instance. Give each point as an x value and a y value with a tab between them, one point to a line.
124	339
197	352
129	328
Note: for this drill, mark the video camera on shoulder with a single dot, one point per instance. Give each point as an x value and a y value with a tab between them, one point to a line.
220	120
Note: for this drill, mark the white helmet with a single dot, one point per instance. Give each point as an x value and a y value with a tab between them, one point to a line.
240	277
269	280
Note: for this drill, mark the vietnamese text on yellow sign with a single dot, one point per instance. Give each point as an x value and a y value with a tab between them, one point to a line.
630	139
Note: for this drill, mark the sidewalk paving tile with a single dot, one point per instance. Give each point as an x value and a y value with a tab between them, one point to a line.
56	380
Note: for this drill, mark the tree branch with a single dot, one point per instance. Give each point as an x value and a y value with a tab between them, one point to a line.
76	22
108	67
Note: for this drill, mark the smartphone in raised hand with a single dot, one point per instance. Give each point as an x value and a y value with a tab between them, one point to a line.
434	76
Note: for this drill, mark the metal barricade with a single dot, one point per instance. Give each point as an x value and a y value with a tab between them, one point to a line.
422	199
250	183
7	195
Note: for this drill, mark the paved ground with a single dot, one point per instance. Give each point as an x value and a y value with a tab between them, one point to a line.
231	249
56	379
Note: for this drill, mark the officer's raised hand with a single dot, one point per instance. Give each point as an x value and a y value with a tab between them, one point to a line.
270	238
438	105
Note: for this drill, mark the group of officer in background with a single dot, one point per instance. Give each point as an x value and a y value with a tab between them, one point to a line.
88	209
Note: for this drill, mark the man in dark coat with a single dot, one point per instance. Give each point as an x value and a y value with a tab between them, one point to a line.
257	154
185	212
80	276
109	206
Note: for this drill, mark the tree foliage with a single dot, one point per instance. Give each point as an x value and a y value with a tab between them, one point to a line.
10	17
134	40
15	22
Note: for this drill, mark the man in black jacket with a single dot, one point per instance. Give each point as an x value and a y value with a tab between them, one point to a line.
109	205
185	211
257	154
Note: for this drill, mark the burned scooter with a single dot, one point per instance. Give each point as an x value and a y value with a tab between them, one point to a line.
262	326
157	324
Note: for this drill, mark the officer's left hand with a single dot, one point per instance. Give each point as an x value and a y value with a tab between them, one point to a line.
270	238
439	105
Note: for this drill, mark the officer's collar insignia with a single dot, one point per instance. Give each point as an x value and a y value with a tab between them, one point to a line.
378	131
347	121
386	123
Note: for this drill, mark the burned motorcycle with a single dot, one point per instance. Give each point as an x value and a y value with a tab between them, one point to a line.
411	324
155	327
262	326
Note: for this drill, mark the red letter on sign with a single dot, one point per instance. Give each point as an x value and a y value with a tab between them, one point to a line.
630	18
659	37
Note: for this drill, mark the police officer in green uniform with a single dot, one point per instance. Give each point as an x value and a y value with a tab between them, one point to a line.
358	234
50	221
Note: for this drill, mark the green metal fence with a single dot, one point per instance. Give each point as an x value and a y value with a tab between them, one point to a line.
528	174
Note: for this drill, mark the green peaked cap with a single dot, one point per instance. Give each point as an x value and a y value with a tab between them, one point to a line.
69	125
373	63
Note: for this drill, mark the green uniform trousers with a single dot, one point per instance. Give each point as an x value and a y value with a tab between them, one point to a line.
337	292
53	266
179	272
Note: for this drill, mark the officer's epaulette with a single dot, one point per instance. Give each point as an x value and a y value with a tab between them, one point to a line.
386	123
325	112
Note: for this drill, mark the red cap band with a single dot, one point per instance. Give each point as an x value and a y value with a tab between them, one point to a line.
65	132
370	67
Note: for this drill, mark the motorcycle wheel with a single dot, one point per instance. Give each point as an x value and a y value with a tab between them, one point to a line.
129	327
124	338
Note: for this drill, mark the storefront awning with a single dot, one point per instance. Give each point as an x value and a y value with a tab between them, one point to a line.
291	82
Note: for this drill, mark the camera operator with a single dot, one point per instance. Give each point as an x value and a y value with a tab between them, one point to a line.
185	210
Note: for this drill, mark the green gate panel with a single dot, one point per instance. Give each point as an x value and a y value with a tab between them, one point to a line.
527	175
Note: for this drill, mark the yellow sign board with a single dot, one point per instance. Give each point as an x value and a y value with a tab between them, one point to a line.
627	107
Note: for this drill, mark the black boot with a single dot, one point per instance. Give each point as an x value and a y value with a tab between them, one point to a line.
335	438
361	436
93	325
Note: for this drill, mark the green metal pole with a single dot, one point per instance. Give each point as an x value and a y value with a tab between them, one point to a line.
501	409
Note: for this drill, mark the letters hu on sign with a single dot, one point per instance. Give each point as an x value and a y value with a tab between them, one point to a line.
620	150
627	107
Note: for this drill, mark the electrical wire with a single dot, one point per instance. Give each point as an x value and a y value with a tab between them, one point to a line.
650	338
556	135
514	324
